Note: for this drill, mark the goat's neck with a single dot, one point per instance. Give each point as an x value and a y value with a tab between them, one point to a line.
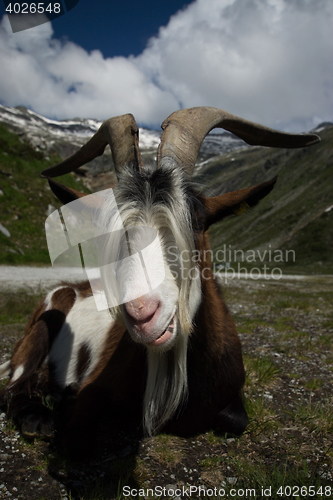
213	318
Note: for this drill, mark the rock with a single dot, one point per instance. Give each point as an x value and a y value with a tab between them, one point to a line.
170	490
4	231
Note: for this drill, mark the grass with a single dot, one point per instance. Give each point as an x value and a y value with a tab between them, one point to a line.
282	482
260	371
313	384
247	325
210	462
17	307
262	417
318	418
25	200
166	451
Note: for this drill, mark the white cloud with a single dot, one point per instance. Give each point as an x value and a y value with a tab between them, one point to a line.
62	80
266	60
270	61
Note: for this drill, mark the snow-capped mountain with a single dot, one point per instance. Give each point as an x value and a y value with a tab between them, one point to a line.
66	136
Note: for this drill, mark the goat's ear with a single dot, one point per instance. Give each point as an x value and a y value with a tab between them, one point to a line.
63	193
236	202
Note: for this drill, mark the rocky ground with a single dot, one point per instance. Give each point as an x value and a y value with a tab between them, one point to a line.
286	328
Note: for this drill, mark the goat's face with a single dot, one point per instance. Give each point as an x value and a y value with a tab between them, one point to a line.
156	210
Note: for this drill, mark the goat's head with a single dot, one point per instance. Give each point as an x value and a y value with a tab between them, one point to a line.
164	198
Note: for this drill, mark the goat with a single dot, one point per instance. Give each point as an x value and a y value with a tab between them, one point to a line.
172	355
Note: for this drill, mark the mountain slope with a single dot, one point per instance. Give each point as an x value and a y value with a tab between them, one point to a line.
25	200
297	215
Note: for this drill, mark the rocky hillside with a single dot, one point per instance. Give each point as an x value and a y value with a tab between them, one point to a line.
25	200
291	229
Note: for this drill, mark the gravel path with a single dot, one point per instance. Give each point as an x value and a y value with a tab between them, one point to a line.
43	278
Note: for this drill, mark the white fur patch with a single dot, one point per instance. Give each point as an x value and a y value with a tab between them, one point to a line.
5	370
84	325
17	373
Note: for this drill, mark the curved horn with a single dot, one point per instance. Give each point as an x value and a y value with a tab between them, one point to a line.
121	132
184	131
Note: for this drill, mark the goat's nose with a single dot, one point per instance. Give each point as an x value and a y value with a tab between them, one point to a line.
142	308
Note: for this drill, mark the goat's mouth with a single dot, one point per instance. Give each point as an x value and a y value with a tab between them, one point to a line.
167	334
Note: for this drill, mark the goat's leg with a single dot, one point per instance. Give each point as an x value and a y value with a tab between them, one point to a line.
22	398
27	410
31	416
80	421
233	418
29	371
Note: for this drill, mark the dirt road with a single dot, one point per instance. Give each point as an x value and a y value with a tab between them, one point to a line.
36	278
43	278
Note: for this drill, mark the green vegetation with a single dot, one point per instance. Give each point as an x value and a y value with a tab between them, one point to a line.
318	418
260	371
24	200
17	307
295	217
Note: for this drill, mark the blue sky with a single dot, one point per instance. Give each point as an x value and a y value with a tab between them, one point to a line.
270	61
116	28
